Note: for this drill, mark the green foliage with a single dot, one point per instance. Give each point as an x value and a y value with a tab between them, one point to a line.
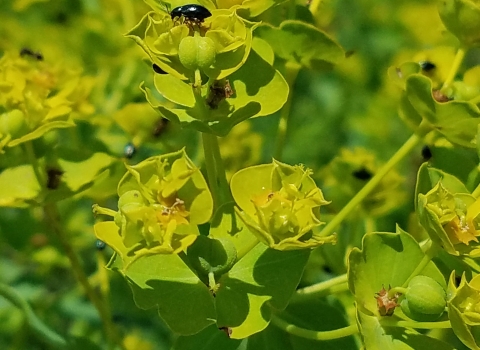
221	151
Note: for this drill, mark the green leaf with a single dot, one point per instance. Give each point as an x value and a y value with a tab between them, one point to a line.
250	8
263	279
40	131
253	84
303	44
166	282
80	171
462	19
175	90
386	259
457	121
394	338
227	224
210	338
428	177
19	185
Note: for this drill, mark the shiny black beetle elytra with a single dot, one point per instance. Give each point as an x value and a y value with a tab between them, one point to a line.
192	13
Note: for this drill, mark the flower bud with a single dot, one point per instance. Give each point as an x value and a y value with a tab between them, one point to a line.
130	198
13	123
425	299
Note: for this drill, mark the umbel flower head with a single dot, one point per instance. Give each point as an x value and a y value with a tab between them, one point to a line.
36	97
451	220
280	204
464	309
218	45
162	200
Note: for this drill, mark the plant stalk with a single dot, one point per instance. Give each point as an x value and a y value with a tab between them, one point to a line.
53	218
407	147
41	330
217	178
337	284
457	62
291	72
314	335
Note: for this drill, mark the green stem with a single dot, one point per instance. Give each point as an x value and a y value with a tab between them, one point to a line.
389	322
430	252
457	62
476	191
407	147
40	329
291	72
53	218
314	335
217	178
339	284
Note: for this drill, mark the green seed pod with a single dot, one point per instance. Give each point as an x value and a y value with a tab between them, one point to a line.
464	92
129	198
212	255
425	299
13	123
196	52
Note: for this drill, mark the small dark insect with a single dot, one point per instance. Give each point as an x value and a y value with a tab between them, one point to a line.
226	330
218	92
160	127
30	53
129	150
53	178
426	153
100	245
191	13
427	66
362	174
158	70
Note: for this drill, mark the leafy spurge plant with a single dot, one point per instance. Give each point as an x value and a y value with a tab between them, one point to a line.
242	230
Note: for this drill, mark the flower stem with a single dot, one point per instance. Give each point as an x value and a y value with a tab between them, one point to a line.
389	322
217	177
407	147
40	329
53	218
334	285
457	62
476	191
314	335
291	72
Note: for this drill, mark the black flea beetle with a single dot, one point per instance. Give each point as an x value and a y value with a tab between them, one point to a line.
427	66
192	13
